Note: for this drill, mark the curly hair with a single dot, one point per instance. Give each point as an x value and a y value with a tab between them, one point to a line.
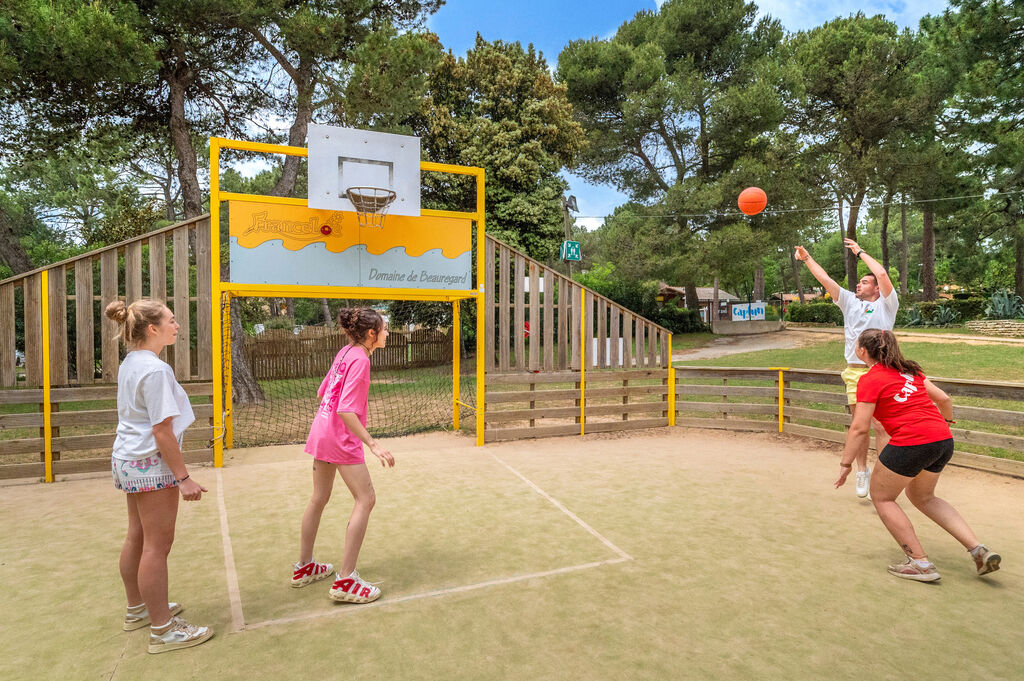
357	322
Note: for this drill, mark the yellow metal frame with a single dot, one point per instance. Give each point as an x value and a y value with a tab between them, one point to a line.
222	420
781	371
583	361
47	407
671	386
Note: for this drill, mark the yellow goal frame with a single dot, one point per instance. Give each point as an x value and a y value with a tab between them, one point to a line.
222	292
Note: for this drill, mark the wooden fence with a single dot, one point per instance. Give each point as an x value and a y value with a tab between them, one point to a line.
281	354
533	321
83	347
549	404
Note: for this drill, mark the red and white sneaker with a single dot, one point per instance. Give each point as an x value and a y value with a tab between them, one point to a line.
354	589
310	572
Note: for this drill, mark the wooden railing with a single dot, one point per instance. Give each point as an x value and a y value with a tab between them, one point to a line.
78	365
533	316
802	409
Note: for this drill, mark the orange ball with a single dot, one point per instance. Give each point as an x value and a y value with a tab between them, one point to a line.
752	200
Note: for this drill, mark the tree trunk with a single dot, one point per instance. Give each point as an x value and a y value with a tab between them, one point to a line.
11	250
178	77
1018	252
885	230
904	252
851	233
297	133
796	274
244	388
758	284
692	300
714	306
327	313
928	256
168	189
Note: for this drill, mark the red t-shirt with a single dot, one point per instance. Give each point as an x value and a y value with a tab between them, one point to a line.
902	406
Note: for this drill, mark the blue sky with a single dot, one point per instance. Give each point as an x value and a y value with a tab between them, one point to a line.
550	25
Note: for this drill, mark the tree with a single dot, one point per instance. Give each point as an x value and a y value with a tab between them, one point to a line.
670	103
862	85
498	108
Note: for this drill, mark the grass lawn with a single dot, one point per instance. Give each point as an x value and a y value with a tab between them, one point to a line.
946	360
689	341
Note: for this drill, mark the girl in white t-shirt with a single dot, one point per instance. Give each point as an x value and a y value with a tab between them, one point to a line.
153	412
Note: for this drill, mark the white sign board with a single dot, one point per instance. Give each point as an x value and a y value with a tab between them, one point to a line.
613	359
746	312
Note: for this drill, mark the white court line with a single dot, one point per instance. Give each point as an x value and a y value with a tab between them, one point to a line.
430	594
623	556
563	509
235	598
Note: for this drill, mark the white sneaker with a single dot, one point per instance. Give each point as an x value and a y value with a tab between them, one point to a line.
138	617
310	572
177	634
863	483
354	589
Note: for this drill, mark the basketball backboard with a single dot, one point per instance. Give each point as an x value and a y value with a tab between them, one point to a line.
340	158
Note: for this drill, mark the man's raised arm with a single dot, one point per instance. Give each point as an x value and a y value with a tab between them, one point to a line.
819	273
885	286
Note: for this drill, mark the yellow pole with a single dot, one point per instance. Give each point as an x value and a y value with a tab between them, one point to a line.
481	286
671	386
781	394
583	360
229	419
218	369
456	346
47	407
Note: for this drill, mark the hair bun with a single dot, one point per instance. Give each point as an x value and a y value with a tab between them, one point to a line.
347	317
117	311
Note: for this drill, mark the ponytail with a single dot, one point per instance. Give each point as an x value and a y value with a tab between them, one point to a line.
882	347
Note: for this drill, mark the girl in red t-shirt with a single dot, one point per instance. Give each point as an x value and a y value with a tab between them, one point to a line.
336	441
916	415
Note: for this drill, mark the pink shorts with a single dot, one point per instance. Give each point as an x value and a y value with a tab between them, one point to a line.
341	458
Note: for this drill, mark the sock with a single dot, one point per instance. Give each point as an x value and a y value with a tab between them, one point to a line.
162	626
135	609
922	562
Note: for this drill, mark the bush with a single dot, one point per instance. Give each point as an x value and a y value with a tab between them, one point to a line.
927	309
820	313
969	308
945	315
1004	305
679	320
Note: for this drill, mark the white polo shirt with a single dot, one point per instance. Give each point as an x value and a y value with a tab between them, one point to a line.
147	394
861	315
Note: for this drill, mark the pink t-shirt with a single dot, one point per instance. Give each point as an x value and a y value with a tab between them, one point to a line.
345	388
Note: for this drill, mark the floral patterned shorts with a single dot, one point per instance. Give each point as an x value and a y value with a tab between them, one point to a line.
142	475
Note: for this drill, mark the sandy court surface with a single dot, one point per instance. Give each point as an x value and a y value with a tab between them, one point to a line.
662	554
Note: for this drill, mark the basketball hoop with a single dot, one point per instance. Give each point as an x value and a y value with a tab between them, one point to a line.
371	204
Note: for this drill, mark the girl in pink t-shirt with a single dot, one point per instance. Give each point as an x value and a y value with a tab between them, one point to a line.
336	441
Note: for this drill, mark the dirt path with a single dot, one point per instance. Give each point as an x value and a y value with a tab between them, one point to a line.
803	337
731	345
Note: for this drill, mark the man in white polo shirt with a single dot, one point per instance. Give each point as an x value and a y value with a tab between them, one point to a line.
874	306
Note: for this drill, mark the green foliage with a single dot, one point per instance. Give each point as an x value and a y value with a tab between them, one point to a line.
498	108
1004	305
817	313
640	298
913	318
945	315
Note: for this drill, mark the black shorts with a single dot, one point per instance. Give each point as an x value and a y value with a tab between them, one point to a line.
911	460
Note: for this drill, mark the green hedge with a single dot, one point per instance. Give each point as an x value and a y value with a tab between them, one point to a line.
820	313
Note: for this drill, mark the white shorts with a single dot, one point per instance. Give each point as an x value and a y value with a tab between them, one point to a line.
142	475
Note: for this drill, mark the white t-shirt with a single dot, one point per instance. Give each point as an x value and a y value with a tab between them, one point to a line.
861	315
147	394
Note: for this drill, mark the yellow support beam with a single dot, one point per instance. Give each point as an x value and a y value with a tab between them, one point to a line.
583	360
242	145
263	198
483	279
455	170
456	346
215	293
47	406
781	371
352	292
672	387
